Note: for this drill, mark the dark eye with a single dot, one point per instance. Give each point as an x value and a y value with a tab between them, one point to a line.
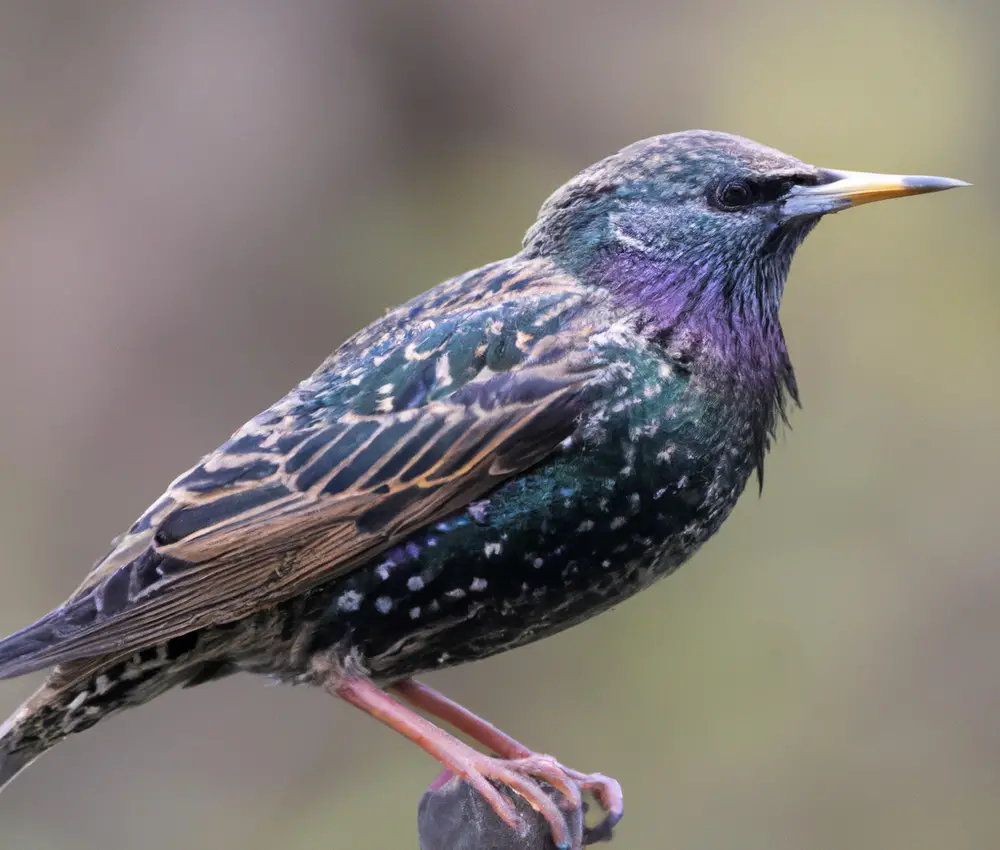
735	194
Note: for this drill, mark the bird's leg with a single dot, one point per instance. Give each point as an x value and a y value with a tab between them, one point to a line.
607	790
475	767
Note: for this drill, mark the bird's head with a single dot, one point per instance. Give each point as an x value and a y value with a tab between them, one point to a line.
700	215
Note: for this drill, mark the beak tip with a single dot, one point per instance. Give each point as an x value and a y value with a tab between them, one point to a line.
933	184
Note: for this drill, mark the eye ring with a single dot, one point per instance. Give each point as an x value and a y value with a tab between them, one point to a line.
733	195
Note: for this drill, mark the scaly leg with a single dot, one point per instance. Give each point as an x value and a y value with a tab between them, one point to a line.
607	791
473	766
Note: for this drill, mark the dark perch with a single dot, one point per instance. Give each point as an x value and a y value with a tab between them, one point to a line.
452	816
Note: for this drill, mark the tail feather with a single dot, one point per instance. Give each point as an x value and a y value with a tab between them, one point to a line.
12	762
22	736
82	693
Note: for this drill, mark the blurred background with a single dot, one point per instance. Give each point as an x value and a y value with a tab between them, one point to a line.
199	200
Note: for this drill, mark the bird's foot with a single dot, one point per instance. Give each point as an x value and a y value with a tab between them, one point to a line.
514	767
515	756
522	775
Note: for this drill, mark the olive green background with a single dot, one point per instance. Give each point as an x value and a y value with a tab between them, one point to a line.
200	199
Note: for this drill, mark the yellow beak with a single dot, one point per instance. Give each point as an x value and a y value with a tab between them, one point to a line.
853	188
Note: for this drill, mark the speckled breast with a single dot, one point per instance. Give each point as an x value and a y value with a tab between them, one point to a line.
651	473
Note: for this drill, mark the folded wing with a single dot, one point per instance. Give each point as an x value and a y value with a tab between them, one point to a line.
353	461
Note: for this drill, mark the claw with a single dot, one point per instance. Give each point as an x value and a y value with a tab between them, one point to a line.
608	793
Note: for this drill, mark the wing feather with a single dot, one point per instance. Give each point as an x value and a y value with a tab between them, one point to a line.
307	491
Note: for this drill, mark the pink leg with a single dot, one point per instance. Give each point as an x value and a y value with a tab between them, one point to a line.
607	791
476	768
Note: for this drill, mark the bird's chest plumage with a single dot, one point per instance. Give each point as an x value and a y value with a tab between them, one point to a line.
648	477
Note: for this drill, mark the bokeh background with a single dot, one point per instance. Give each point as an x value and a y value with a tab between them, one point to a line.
199	200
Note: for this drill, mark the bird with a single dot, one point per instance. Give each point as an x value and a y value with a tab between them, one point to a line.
516	450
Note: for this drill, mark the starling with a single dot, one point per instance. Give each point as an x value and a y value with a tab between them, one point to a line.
504	456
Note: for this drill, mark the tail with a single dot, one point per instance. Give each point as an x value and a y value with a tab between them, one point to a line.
79	694
32	729
12	762
25	736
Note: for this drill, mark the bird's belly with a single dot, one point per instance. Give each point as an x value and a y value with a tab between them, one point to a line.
543	553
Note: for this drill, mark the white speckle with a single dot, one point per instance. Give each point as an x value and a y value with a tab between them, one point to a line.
411	353
605	563
538	563
659	493
350	600
634	500
682	482
586	525
415	612
434	607
478	584
443	657
355	382
385	405
78	700
617	523
384	569
457	593
385	389
383	605
524	587
649	390
664	370
415	583
432	542
666	454
442	371
491	549
477	510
